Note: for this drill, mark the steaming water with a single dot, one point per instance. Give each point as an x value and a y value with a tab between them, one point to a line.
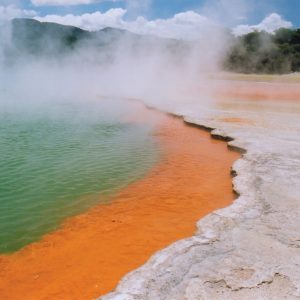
58	160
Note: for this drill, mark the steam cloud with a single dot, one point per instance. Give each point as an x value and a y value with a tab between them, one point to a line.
128	66
167	58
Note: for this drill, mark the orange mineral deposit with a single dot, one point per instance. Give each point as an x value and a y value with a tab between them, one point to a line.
91	252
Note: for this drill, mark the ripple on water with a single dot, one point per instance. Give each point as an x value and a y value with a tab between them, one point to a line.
56	165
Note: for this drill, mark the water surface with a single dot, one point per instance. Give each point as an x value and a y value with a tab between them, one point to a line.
59	158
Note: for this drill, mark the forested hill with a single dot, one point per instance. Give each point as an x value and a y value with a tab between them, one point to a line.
261	52
33	39
256	52
29	36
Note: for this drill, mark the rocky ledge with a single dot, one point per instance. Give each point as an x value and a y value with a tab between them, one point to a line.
251	249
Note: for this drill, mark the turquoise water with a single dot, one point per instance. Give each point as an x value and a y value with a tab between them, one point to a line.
59	159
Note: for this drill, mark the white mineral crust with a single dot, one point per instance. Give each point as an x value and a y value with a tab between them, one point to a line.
251	249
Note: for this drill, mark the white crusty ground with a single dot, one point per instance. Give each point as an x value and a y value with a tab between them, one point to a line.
251	249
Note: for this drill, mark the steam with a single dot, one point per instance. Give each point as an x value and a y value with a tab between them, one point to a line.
129	66
153	59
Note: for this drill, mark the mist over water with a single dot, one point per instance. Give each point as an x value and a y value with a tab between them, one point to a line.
65	142
63	160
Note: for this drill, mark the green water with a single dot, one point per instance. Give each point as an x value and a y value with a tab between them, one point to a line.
59	159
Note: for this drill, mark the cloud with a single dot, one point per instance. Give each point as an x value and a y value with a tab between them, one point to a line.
11	11
89	21
66	2
137	7
187	25
270	24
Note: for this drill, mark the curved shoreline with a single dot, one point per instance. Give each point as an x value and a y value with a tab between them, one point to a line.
250	249
147	216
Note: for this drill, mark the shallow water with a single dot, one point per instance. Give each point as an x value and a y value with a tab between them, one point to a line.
58	159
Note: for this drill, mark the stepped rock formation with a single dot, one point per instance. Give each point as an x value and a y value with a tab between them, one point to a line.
251	249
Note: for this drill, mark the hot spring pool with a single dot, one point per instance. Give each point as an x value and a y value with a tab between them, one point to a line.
59	159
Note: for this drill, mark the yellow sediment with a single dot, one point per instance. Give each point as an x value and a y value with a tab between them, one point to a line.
91	252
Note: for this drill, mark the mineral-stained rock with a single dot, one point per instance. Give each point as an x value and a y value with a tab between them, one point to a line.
251	249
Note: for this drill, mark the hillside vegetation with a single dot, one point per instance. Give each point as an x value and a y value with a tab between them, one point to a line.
261	52
256	52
